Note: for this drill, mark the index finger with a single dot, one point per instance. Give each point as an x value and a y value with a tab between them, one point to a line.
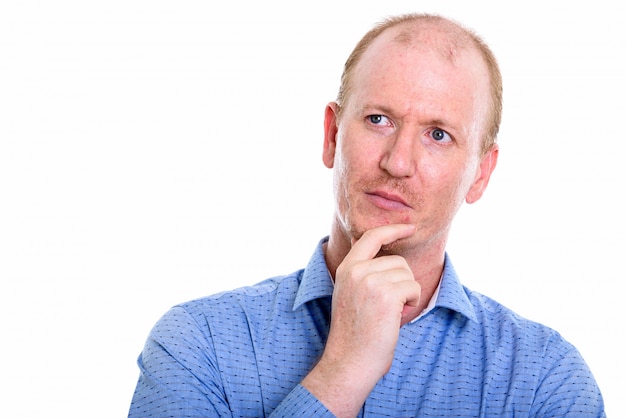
372	240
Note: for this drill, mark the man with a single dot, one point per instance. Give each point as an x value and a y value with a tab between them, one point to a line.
378	323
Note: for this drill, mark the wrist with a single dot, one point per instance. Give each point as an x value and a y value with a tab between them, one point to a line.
340	386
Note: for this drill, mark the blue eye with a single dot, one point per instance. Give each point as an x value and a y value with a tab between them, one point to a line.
440	135
377	119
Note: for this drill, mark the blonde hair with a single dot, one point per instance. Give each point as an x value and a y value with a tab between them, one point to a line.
459	37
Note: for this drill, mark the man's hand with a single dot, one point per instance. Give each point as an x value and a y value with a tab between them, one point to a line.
373	298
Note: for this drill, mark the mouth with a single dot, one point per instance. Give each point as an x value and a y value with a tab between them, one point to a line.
387	201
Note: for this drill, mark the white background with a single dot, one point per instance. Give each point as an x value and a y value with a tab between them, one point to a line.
152	152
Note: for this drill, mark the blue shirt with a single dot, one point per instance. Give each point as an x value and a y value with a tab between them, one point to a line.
244	352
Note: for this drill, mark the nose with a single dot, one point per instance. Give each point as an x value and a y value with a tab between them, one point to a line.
399	159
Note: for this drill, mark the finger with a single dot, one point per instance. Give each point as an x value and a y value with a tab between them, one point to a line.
411	291
399	286
410	310
372	240
394	267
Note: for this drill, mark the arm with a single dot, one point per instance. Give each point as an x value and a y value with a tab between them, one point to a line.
568	387
178	375
373	297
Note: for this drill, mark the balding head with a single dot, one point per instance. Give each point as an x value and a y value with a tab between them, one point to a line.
447	38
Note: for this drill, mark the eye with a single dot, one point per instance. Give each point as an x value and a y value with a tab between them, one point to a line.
439	135
378	120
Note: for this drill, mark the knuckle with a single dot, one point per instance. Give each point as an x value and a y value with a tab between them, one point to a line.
349	272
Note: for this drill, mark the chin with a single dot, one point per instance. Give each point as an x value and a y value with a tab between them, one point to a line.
395	248
355	226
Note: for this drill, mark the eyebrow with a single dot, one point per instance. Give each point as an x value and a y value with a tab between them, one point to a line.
440	122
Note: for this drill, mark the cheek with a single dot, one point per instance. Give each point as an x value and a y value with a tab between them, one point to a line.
348	165
459	185
447	186
342	173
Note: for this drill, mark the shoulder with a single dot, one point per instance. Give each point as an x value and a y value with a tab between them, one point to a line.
526	342
534	352
227	316
501	321
249	301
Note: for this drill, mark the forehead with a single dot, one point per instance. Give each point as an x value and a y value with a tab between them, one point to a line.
451	42
429	48
425	70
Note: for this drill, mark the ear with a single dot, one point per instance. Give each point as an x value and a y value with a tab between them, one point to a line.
330	134
483	174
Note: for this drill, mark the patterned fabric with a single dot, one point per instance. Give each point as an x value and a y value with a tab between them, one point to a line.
243	353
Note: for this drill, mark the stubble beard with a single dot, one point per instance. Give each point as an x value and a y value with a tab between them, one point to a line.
355	216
